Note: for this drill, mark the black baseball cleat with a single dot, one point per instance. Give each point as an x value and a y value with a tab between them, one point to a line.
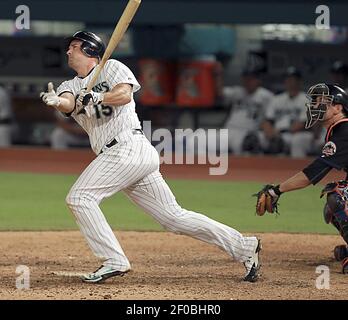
101	274
252	265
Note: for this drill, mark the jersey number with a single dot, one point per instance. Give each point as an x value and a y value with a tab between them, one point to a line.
105	110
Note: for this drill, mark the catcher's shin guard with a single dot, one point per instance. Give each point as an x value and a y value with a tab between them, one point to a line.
341	252
344	230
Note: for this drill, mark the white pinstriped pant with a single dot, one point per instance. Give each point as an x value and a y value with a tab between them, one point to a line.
132	165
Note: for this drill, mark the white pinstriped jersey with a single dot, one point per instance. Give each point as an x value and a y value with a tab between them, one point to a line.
247	109
105	122
284	110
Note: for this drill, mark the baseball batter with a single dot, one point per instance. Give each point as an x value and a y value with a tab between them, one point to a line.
126	160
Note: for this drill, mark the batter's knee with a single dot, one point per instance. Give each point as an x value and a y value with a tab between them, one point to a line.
178	227
172	227
72	200
185	222
175	219
77	199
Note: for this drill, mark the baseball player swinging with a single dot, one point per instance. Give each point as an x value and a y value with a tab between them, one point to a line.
328	104
126	160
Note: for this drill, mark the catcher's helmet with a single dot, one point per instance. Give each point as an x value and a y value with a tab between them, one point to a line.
92	45
321	96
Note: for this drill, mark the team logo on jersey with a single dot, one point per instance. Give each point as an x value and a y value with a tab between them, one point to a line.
101	87
329	149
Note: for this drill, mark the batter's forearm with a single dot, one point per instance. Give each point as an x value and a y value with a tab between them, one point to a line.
118	96
298	181
65	105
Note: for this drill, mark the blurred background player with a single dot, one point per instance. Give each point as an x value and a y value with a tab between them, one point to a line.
339	74
6	118
284	127
248	103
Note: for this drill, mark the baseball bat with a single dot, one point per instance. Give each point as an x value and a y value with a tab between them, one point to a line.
117	35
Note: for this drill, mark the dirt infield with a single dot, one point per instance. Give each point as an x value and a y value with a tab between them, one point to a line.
165	266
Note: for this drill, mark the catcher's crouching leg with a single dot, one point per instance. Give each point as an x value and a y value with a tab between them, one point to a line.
335	212
340	252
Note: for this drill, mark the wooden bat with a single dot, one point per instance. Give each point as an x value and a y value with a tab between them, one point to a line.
117	35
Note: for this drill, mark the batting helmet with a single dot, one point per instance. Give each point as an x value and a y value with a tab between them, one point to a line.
91	46
321	96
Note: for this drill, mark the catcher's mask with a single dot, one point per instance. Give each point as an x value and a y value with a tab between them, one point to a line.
321	96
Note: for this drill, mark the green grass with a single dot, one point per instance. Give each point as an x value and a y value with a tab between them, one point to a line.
37	202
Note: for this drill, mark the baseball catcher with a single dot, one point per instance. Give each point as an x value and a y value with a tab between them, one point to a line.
327	104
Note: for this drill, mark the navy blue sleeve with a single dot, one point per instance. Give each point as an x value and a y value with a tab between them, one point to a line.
317	170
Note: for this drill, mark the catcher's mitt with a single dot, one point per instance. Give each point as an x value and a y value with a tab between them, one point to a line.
267	199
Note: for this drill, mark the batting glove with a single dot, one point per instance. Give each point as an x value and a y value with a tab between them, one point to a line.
85	98
50	97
